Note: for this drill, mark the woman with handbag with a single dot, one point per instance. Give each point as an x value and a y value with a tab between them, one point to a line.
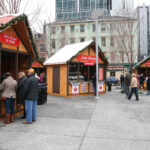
9	86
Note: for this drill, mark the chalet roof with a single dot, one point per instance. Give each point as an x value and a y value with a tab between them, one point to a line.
68	52
141	62
20	23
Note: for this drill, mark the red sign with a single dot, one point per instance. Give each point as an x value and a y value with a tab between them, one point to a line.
87	58
101	73
88	64
148	63
36	64
9	39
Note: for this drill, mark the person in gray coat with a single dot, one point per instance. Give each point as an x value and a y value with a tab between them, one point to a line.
127	82
9	87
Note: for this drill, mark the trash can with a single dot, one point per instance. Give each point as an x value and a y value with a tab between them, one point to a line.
42	93
109	86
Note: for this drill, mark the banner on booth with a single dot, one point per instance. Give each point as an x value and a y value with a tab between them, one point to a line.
101	87
75	89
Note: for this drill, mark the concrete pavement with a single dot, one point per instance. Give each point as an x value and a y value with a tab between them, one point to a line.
83	123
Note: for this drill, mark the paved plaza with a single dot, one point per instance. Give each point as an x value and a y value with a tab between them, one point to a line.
110	122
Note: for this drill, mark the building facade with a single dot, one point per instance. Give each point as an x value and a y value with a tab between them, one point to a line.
59	34
144	31
75	9
40	43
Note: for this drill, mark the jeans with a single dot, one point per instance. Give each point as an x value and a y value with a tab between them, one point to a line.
94	86
134	90
9	105
30	107
122	85
126	90
148	92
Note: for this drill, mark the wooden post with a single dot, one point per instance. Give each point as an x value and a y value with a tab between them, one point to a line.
16	65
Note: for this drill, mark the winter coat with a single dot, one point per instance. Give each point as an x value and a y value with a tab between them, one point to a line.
134	82
31	88
9	87
21	90
127	80
148	83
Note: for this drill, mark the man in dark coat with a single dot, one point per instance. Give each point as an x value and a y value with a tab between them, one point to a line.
148	85
127	81
31	97
21	90
94	82
141	82
122	80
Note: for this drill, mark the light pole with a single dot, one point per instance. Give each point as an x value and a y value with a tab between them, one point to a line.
95	15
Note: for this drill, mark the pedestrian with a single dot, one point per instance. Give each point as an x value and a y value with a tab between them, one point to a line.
20	91
41	78
148	85
141	82
134	87
94	83
31	96
127	81
122	81
9	86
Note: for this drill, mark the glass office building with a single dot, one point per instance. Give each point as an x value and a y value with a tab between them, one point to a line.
76	9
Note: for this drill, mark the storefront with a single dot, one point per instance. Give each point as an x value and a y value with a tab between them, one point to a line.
71	69
16	49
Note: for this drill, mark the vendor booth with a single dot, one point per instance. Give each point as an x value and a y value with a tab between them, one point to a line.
143	67
71	69
16	49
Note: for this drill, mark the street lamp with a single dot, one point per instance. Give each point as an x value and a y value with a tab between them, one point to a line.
95	15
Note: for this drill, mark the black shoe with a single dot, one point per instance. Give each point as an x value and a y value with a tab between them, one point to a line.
137	99
23	117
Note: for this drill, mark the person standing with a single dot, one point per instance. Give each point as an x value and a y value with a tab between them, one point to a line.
141	82
122	81
20	91
31	96
9	87
148	85
134	87
127	81
94	83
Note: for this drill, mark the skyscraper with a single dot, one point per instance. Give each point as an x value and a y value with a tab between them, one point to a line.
77	9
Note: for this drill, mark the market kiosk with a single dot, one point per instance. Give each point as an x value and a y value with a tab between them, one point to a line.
71	69
143	67
16	49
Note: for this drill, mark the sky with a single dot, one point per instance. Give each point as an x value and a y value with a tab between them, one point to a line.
48	8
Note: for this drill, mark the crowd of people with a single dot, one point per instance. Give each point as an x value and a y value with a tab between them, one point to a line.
26	93
131	84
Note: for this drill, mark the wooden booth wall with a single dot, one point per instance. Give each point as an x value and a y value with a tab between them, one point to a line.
54	79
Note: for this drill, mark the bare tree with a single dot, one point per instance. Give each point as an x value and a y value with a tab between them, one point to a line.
13	7
125	35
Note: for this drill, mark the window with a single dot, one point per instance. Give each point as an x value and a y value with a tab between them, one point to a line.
72	28
111	41
53	44
103	41
81	28
121	57
93	28
112	73
82	40
62	29
52	30
72	40
42	48
103	27
112	56
111	27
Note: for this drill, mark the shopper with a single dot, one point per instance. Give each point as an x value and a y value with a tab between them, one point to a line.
141	82
9	86
122	81
94	83
20	91
31	96
127	81
134	87
148	85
